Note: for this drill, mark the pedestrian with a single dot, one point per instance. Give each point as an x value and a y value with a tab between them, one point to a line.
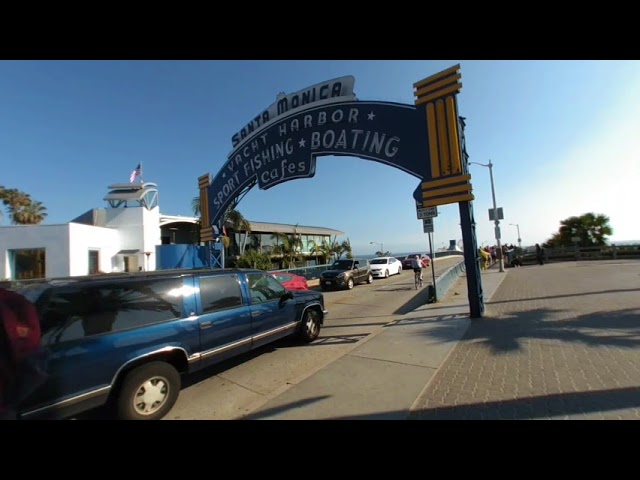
539	254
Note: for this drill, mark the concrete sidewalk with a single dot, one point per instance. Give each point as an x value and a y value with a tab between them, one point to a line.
384	374
560	341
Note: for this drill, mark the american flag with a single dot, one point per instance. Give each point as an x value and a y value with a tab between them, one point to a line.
136	173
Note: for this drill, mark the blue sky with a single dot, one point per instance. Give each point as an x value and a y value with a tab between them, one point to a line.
564	138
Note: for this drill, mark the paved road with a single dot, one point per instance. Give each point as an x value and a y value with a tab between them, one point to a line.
560	341
237	387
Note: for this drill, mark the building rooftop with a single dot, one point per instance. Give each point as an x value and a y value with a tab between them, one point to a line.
258	227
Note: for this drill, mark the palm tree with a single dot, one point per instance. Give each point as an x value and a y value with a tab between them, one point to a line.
314	249
31	214
234	217
289	246
22	209
195	206
326	250
239	224
331	248
346	248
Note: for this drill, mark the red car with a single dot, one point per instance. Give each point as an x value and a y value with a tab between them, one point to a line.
291	281
424	258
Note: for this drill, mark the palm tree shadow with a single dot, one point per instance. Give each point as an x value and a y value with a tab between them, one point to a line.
617	328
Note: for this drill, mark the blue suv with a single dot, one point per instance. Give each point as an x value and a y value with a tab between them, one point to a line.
125	339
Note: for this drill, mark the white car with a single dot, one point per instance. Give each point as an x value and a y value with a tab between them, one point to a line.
383	267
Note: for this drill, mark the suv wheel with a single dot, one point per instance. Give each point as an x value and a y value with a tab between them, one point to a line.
148	392
350	283
310	326
370	279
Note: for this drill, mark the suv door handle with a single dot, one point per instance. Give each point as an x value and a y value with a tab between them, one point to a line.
256	313
204	325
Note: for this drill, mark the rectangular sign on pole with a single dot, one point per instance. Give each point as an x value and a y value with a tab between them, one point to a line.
427	225
428	212
492	216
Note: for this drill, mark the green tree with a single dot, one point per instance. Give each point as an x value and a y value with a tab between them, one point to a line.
592	230
314	249
331	248
22	209
289	246
239	224
254	259
346	248
234	217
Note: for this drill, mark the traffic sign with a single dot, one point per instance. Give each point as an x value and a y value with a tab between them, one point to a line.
428	212
427	225
492	215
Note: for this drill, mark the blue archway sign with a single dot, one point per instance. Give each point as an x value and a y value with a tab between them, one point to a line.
282	143
390	133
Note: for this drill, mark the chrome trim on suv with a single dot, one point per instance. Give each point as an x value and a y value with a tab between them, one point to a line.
262	335
224	348
160	350
69	401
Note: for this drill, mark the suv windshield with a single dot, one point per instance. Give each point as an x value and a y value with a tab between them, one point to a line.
342	265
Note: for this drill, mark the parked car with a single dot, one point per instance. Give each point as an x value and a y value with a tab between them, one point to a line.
346	273
382	267
291	281
124	339
424	258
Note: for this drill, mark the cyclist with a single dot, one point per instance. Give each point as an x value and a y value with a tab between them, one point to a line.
416	264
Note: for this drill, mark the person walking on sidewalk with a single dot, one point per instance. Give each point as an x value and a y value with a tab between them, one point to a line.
539	254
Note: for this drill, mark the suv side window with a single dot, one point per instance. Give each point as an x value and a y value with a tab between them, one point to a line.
219	293
78	311
264	288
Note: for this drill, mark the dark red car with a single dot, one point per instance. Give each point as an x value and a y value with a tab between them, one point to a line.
291	281
424	258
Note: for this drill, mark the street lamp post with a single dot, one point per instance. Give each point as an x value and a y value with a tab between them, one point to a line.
519	239
495	213
381	247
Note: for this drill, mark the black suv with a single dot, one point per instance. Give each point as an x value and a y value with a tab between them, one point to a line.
346	273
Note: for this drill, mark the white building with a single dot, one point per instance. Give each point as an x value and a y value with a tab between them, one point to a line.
119	238
130	234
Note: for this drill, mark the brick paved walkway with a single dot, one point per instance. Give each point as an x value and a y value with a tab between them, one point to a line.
559	341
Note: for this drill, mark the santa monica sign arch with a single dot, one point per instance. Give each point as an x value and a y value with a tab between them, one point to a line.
283	142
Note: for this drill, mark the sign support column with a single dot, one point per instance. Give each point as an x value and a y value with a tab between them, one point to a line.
433	269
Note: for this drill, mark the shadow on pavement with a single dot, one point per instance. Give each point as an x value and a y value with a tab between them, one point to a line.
619	328
536	407
544	406
622	290
284	408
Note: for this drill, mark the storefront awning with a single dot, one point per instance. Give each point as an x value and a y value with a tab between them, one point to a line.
128	252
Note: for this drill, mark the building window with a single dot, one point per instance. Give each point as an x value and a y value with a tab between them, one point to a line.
28	263
94	262
267	242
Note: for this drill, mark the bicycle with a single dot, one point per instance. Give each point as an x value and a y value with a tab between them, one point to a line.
417	276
